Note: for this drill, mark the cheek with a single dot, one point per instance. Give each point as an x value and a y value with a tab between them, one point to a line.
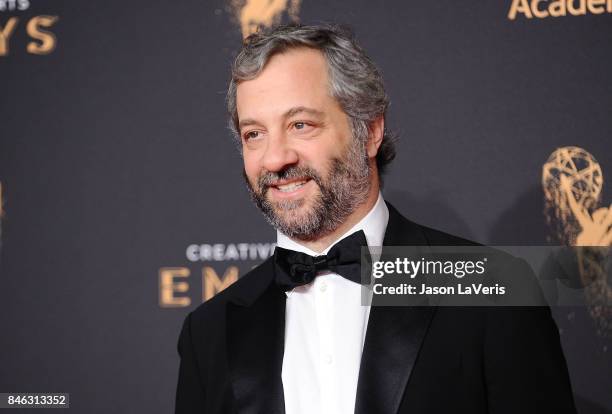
251	164
319	153
252	169
317	158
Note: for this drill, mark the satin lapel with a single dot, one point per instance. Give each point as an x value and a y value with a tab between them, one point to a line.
393	338
393	341
255	339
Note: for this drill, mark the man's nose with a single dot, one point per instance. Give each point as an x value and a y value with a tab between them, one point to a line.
278	153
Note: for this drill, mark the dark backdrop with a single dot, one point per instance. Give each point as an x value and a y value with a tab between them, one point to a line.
115	158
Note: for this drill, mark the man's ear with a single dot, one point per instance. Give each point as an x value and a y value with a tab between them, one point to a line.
376	130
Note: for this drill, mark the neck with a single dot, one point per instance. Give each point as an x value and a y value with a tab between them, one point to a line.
323	242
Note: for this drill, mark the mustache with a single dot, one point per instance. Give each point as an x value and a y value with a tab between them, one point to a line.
266	179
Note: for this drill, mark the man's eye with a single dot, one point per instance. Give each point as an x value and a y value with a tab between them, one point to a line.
301	126
251	135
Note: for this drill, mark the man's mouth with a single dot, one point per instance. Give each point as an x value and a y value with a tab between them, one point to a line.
290	186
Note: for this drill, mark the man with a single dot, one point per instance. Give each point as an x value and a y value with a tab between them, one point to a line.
308	107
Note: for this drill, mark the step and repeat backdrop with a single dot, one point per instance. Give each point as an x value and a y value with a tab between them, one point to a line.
123	205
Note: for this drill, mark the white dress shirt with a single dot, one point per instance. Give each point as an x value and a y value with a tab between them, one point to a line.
325	326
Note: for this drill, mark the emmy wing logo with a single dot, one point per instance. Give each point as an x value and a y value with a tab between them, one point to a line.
572	180
255	14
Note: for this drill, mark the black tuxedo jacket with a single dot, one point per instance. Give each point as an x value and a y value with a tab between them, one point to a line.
415	359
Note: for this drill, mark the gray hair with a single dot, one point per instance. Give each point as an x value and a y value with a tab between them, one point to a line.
355	82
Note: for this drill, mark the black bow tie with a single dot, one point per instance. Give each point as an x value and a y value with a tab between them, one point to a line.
344	258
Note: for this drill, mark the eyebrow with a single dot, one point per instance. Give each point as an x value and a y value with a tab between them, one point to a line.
288	114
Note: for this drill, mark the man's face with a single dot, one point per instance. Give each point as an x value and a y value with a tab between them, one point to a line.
302	166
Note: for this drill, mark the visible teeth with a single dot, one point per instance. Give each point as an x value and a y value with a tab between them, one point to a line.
291	186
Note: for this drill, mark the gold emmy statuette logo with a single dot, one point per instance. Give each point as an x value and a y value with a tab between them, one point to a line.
572	180
541	9
255	14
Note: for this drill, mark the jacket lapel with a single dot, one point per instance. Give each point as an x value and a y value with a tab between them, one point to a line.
393	338
255	340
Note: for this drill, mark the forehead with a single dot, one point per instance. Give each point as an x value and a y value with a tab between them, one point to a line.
297	77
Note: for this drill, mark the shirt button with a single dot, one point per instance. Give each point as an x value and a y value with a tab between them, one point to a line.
327	359
323	287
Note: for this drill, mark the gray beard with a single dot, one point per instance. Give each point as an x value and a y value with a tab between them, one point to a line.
344	189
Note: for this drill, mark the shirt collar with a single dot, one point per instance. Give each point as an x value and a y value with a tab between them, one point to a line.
373	225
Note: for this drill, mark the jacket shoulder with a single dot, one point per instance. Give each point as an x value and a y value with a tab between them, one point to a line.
437	237
402	231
